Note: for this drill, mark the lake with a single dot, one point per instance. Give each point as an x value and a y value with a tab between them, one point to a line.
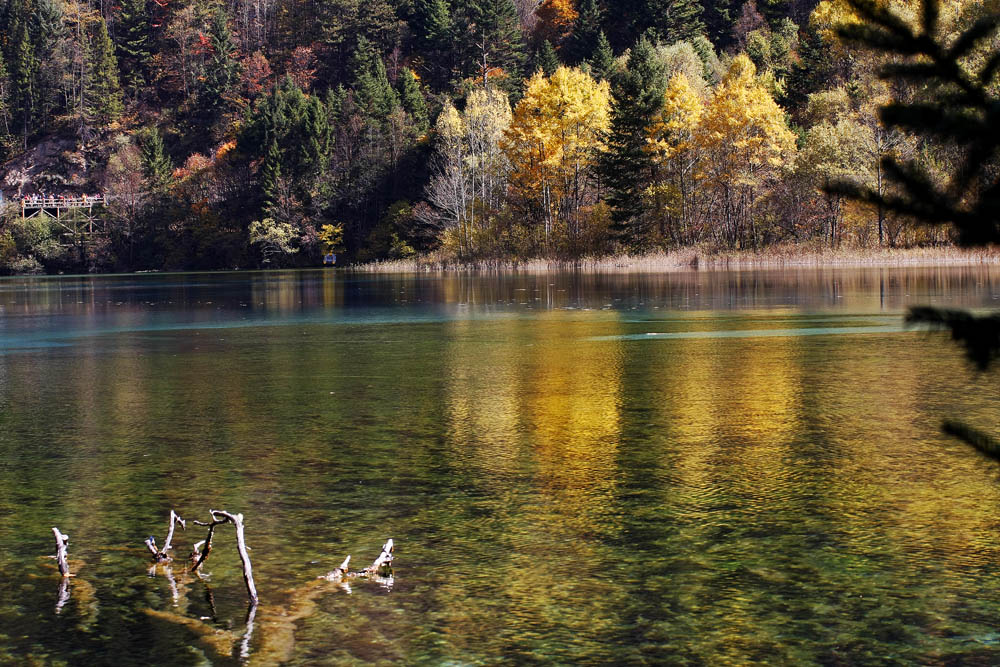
690	468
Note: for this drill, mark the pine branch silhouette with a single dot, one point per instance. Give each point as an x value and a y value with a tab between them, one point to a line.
965	112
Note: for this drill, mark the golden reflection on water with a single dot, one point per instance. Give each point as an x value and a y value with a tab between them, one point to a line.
561	487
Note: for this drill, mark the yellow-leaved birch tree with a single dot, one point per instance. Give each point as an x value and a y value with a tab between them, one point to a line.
746	142
553	142
671	142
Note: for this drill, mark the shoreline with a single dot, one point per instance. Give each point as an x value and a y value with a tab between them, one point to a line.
700	259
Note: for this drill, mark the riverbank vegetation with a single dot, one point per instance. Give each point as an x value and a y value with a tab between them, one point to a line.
478	132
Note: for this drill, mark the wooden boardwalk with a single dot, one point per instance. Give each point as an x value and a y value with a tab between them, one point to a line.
75	214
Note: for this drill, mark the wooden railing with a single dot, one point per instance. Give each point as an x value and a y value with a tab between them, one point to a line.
63	202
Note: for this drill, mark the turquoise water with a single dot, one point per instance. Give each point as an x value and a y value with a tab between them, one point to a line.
702	468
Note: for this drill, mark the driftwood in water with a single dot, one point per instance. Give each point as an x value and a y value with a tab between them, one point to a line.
161	555
276	625
220	517
61	542
337	573
382	567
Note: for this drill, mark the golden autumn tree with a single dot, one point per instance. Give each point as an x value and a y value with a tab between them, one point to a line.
746	142
469	169
552	143
556	19
671	142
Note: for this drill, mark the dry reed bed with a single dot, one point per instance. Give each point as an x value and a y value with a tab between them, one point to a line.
692	259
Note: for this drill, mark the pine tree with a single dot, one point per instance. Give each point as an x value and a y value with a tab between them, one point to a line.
134	53
222	73
23	69
814	70
413	100
586	33
497	41
105	93
602	62
270	174
546	59
435	33
674	20
4	107
371	86
627	167
720	15
156	166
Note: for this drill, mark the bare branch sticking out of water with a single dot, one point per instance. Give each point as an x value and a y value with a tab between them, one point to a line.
61	542
382	566
162	555
220	517
241	546
337	573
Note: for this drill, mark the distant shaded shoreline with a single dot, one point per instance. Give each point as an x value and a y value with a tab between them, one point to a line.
695	259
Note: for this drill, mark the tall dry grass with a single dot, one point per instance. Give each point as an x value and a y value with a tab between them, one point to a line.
693	259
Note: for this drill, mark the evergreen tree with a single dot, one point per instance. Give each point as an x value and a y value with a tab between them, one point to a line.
586	33
372	89
815	69
156	166
720	15
434	34
673	20
413	100
627	168
223	72
602	62
546	59
134	53
105	93
270	174
4	108
497	42
23	68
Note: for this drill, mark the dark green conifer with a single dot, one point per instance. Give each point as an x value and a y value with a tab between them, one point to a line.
546	59
23	68
372	89
719	17
586	31
105	92
270	173
497	41
673	20
223	70
434	31
413	100
813	71
156	166
626	167
602	62
133	37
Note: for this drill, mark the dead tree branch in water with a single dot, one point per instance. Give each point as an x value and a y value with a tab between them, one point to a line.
61	542
220	517
382	567
161	555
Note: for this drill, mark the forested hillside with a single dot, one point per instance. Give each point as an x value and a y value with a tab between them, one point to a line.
248	133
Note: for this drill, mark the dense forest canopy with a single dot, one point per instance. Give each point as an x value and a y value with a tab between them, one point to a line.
267	133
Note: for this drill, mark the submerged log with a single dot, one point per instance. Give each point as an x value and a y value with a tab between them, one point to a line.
61	542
